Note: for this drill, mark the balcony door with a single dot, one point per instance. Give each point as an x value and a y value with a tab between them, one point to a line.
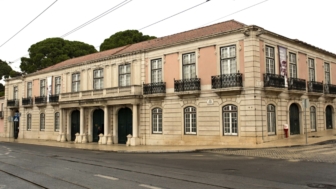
329	120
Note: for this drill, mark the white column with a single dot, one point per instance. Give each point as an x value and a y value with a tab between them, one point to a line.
135	140
104	141
68	125
60	126
81	124
115	127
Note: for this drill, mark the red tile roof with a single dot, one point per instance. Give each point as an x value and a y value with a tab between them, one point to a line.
154	43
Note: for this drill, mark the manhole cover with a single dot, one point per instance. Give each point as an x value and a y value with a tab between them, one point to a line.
319	185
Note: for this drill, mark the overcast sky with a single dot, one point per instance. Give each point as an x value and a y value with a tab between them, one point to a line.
312	21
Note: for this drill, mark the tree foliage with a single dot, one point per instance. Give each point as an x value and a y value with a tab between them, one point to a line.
123	38
52	51
6	71
2	90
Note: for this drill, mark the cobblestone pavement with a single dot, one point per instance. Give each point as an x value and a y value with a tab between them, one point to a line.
316	153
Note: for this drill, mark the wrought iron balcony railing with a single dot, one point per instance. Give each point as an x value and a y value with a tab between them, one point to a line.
274	80
13	103
153	88
27	101
40	100
191	84
314	86
329	89
53	98
296	84
227	80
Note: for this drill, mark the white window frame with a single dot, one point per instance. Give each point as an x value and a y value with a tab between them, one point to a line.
57	85
271	119
29	89
156	70
42	87
292	65
98	79
327	73
190	120
312	118
124	75
270	59
189	65
29	121
42	122
311	67
230	119
57	121
228	60
15	92
157	121
75	83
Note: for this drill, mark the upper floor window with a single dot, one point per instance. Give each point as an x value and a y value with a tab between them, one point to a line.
270	62
189	65
75	82
29	118
42	122
124	75
327	73
42	87
57	85
157	120
311	65
15	94
228	60
230	120
271	119
292	65
156	70
190	120
98	79
57	121
29	89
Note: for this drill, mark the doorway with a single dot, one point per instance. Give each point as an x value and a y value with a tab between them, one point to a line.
329	120
98	124
294	116
75	115
124	124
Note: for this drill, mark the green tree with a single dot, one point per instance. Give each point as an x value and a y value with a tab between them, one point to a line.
52	51
123	38
6	71
2	90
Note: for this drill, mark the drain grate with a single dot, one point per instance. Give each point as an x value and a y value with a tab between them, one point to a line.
314	136
319	185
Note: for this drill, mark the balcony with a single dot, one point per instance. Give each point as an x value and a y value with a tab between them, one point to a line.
53	98
274	80
27	102
40	100
191	84
13	103
329	89
154	88
1	114
315	87
227	81
296	84
114	92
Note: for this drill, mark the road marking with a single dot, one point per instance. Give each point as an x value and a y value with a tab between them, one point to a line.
148	186
11	156
197	155
7	153
107	177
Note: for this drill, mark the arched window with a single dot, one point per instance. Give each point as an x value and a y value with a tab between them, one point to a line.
271	119
29	122
313	118
190	120
42	122
157	120
230	120
57	121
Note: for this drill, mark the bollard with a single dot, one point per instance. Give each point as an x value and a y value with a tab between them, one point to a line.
128	143
285	127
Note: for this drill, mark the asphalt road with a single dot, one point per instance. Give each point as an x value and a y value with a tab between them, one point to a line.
32	166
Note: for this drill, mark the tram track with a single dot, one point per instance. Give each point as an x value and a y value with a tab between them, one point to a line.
15	176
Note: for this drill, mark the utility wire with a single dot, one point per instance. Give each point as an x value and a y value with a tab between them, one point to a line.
97	17
174	15
235	12
29	23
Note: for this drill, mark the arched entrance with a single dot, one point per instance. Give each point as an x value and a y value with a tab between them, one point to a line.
294	119
124	124
74	124
98	124
329	120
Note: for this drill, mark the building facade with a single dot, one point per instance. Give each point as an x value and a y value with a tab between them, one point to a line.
2	131
227	83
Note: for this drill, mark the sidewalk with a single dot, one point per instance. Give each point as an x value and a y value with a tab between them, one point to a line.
298	140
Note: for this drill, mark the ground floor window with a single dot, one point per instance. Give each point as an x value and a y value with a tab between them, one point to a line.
271	119
190	120
313	118
157	120
42	122
28	122
230	120
57	121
